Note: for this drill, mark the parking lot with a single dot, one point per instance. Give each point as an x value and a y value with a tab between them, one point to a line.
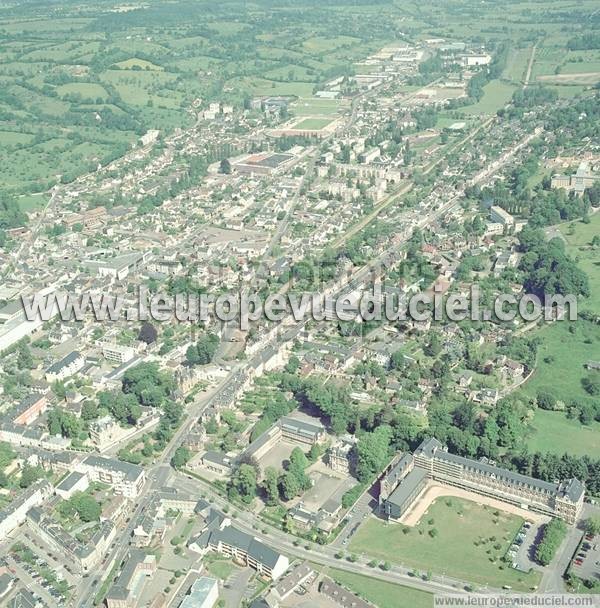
586	563
522	551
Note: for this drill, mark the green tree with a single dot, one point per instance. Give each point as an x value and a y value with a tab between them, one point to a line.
270	486
373	451
29	475
244	482
180	457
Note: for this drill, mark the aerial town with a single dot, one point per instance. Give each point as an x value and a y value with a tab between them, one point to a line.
165	461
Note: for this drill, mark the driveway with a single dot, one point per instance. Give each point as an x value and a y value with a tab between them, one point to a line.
235	588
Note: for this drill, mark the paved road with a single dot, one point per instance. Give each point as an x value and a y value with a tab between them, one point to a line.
321	554
366	505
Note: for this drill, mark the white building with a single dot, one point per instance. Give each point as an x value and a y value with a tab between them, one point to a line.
66	367
126	479
13	515
203	593
117	353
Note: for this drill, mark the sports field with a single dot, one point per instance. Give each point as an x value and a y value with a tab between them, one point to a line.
456	537
313	124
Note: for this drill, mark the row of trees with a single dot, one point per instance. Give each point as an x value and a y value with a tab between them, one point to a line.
553	535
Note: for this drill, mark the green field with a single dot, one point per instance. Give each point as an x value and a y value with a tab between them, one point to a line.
382	594
462	548
311	106
313	123
579	237
496	95
31	202
221	568
554	432
87	90
554	371
516	65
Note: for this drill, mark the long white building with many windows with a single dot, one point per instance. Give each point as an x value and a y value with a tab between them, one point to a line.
562	499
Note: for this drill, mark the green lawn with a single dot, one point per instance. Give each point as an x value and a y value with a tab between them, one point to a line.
554	432
516	66
382	594
31	202
221	568
496	95
469	544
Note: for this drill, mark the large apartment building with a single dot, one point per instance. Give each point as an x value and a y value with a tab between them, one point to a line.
127	479
401	485
562	499
220	536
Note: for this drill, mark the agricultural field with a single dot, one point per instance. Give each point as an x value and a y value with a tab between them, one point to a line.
456	537
108	76
516	64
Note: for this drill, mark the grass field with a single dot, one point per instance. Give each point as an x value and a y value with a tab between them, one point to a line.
312	123
463	547
496	95
554	432
382	594
31	202
310	106
221	568
554	371
88	90
579	236
516	64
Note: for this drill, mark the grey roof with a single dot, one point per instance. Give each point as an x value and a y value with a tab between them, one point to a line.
407	486
19	501
301	427
217	457
573	489
69	481
398	469
342	596
291	580
24	599
64	362
131	471
253	547
433	448
120	590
